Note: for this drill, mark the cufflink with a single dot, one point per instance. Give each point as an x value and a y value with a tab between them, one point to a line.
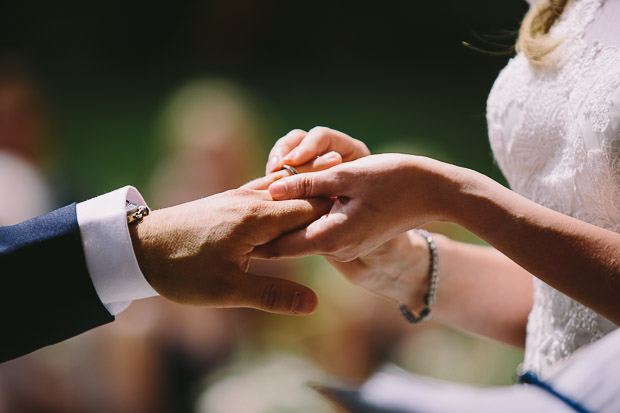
135	212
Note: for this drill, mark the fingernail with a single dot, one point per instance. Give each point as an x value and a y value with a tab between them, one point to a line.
291	155
302	303
277	189
274	163
330	156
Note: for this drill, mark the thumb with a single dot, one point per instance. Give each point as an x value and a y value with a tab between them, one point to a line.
274	295
325	183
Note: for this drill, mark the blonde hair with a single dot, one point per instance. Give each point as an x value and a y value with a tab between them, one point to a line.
534	40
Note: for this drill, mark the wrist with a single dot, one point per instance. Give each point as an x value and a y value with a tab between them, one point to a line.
143	239
419	264
424	312
474	200
434	189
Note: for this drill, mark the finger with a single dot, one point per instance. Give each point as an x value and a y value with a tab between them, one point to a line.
321	163
281	217
321	237
320	140
293	245
325	183
275	295
264	181
282	147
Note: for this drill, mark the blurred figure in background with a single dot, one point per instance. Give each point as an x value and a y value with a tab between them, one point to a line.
159	351
42	381
155	356
24	192
211	136
212	140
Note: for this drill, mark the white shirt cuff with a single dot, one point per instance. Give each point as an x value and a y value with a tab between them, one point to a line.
109	254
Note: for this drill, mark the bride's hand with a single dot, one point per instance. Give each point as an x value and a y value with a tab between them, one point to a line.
319	163
299	147
397	269
376	198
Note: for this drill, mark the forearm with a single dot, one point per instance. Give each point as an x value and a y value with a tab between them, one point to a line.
482	291
47	295
576	258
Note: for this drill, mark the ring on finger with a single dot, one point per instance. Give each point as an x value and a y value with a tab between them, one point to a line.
291	169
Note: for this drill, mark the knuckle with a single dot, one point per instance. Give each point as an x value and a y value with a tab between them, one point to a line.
322	134
319	130
363	148
342	176
293	134
243	192
271	297
257	209
247	209
307	186
281	141
303	186
296	132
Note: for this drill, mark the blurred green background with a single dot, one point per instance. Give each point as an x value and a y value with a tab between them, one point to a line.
393	74
390	71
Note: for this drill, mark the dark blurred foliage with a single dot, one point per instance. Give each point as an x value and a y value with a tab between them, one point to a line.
387	71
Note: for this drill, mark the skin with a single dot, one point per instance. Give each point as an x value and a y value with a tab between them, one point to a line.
299	147
198	253
485	290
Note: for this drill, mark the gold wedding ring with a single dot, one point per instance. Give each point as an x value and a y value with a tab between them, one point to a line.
289	168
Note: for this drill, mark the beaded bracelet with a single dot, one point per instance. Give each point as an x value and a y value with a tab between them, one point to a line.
433	273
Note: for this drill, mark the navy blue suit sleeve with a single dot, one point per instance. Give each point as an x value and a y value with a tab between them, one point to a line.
46	294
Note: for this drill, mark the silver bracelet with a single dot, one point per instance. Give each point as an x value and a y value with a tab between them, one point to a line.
433	273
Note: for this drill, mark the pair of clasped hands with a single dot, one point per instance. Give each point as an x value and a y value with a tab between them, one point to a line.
346	204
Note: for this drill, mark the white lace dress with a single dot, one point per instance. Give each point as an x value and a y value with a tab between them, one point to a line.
555	133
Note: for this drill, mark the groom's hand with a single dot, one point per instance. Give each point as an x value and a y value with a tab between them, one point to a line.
198	253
